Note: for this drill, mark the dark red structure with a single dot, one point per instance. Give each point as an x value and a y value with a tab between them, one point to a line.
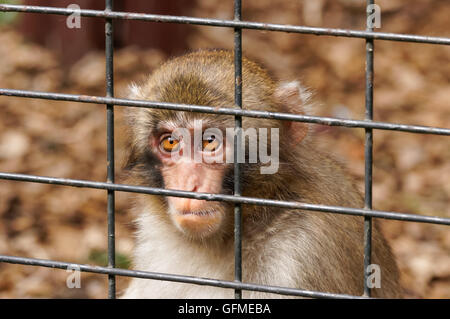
72	44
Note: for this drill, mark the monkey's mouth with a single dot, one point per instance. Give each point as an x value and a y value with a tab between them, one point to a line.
198	213
198	223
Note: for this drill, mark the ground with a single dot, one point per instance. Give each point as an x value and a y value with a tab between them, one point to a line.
65	139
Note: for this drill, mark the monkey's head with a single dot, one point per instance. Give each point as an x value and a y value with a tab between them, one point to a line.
194	151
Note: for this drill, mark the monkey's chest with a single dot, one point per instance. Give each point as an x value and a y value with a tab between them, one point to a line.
205	264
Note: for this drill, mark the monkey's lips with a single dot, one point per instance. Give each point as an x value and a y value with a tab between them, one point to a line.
198	223
198	213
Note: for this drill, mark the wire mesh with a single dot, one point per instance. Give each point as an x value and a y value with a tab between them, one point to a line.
237	24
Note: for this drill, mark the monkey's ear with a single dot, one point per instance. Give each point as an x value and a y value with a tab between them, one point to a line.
293	98
134	91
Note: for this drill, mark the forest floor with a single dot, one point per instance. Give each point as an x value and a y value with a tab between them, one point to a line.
67	139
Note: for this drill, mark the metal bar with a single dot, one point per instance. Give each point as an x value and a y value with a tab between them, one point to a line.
368	124
230	24
109	52
368	154
174	278
225	198
330	121
237	149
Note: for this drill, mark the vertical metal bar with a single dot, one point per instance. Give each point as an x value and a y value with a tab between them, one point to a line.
109	52
368	155
237	149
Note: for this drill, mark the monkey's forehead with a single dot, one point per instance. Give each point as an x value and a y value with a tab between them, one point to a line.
207	78
190	120
159	120
167	120
217	60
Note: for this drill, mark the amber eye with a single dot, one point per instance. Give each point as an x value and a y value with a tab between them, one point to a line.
169	144
210	144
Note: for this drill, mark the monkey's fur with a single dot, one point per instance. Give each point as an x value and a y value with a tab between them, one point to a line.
293	248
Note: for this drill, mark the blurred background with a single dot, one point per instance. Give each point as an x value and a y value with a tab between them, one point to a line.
65	139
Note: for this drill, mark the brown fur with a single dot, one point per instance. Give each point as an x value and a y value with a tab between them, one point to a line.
298	249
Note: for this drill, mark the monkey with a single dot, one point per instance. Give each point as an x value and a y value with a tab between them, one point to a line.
280	247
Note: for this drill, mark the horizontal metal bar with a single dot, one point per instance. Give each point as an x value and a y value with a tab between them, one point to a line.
225	198
229	111
229	24
174	278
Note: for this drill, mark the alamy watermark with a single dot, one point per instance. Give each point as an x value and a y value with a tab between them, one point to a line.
73	21
74	278
210	146
374	17
374	278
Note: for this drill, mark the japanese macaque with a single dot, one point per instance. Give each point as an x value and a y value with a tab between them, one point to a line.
193	152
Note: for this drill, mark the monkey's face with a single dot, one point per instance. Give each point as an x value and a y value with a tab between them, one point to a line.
181	159
192	160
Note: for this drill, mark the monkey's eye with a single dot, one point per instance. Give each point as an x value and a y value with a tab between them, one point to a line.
169	144
210	144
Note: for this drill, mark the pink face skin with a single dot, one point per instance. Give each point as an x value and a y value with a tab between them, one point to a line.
181	170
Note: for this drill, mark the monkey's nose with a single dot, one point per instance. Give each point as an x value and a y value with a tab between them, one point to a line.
192	183
187	204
